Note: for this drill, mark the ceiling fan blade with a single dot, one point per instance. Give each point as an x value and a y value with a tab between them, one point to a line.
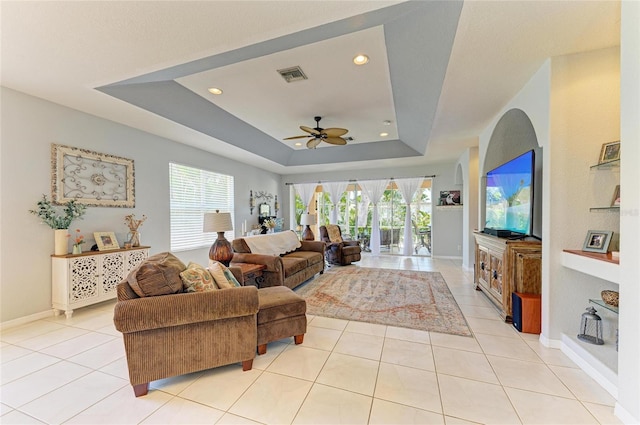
335	140
309	130
335	132
296	137
311	144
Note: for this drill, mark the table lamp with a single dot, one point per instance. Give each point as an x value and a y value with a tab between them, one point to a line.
307	220
221	249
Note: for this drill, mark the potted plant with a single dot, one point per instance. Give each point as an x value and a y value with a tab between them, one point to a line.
59	219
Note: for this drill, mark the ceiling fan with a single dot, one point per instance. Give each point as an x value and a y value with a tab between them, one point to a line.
317	135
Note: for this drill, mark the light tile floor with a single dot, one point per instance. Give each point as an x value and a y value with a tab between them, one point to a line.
62	370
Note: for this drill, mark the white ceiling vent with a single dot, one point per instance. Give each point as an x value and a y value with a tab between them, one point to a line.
292	74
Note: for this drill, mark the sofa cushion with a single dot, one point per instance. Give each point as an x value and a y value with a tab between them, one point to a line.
197	279
293	265
333	231
239	245
311	257
157	275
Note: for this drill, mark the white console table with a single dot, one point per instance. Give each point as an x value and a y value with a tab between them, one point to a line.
91	277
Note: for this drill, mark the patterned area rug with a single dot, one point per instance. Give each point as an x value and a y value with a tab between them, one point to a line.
408	299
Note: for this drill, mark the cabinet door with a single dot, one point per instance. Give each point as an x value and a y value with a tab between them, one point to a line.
84	279
112	271
134	258
496	274
483	267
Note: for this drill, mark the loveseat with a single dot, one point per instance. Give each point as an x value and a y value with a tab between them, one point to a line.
289	261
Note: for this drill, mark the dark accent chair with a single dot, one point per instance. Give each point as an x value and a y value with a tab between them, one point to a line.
342	253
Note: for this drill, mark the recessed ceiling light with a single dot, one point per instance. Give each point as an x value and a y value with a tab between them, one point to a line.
298	144
215	90
386	122
384	134
361	59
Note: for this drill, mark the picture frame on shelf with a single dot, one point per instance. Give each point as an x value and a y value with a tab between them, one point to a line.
597	241
106	241
615	201
609	152
449	198
91	178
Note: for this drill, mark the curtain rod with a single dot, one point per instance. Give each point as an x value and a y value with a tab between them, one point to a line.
357	180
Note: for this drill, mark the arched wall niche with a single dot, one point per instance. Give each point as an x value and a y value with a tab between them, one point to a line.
512	136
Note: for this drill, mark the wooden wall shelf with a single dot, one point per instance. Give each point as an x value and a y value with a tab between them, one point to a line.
602	266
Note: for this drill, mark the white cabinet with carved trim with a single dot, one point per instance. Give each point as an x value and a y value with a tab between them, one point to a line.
89	278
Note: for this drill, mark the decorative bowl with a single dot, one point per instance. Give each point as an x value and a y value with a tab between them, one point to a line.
610	297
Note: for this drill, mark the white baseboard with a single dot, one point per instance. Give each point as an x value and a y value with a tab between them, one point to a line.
26	319
446	257
593	367
550	343
624	415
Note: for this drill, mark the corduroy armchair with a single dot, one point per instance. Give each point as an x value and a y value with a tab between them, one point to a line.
172	335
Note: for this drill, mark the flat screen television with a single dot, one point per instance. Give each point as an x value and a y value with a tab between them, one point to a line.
509	203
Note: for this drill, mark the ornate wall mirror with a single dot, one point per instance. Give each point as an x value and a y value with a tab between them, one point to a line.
264	209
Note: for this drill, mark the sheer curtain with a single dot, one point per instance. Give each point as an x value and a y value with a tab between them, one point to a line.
408	189
335	191
306	191
374	189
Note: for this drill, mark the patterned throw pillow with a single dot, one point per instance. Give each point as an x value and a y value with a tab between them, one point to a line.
222	275
334	233
197	279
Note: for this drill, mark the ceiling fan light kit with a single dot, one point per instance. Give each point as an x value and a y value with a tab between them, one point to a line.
318	134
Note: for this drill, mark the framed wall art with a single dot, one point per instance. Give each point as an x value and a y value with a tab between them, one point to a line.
597	241
609	152
91	178
106	241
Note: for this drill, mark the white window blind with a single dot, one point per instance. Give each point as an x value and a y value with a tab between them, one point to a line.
195	192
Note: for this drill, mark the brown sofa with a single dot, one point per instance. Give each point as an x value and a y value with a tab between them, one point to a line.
173	333
289	269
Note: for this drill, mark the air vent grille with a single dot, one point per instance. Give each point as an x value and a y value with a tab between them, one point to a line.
292	74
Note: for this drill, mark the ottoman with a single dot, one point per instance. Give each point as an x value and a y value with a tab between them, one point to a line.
281	314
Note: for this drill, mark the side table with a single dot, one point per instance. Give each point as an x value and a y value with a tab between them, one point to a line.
251	272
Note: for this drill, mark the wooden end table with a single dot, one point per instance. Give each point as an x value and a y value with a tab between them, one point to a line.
251	272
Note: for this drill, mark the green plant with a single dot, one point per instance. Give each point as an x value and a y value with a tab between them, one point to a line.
52	217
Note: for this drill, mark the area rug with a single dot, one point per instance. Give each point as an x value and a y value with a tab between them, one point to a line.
408	299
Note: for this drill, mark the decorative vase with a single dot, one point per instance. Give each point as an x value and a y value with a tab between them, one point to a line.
77	249
134	240
61	246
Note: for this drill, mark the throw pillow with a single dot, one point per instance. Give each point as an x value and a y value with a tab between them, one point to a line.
222	275
217	271
334	233
157	275
197	279
230	277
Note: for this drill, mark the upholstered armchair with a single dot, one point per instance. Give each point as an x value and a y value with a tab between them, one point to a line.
172	334
338	250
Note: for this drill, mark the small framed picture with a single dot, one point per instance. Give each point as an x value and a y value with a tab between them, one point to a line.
449	197
615	201
609	152
597	241
106	241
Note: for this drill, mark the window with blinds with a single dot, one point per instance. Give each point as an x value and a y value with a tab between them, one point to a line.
195	192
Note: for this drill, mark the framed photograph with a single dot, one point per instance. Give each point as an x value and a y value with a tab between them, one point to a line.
106	241
615	201
609	152
597	241
449	197
91	178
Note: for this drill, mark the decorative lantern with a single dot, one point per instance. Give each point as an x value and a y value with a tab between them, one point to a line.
591	327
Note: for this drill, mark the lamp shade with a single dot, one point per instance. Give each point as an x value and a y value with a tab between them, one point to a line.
217	222
308	219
